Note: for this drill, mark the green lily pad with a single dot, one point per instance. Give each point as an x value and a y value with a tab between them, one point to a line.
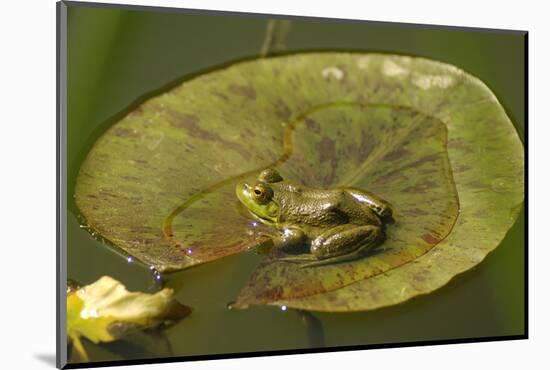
424	135
398	154
105	311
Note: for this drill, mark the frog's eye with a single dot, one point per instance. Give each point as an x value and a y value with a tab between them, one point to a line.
262	193
270	175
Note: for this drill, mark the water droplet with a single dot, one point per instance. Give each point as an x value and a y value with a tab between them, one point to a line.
130	259
283	308
229	306
189	251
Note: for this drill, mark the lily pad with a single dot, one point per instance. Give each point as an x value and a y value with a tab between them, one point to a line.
105	311
396	153
426	136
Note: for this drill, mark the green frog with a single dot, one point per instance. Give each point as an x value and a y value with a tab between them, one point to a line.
337	224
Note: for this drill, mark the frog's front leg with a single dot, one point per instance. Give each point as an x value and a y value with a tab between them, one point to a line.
341	243
288	239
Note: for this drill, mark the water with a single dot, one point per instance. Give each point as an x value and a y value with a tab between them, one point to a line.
116	57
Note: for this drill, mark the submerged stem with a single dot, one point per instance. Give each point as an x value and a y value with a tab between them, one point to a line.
314	327
80	350
276	35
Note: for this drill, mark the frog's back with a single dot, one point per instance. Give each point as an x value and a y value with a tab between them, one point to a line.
312	208
317	210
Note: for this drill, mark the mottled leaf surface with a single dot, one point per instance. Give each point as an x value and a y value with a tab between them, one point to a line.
424	135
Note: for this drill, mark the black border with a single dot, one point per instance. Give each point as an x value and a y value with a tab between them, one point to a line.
526	183
222	356
61	212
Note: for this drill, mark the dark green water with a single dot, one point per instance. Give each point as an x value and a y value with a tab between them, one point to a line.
116	57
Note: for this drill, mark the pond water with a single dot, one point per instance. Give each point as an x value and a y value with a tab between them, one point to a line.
118	56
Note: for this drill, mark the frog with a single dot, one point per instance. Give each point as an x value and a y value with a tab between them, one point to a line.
336	224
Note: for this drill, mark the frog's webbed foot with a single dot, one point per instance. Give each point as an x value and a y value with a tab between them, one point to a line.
309	260
336	259
299	258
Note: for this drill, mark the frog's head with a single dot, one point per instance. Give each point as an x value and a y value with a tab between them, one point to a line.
258	197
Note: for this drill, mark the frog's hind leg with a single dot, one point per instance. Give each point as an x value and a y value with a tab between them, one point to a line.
340	244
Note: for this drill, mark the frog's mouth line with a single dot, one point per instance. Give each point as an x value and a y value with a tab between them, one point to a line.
262	219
